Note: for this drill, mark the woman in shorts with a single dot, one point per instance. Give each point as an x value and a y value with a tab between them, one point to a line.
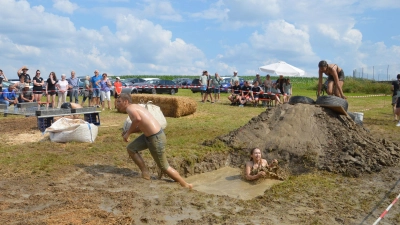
335	78
38	83
287	90
235	93
105	85
51	89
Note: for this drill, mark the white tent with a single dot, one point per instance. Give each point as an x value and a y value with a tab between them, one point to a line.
282	68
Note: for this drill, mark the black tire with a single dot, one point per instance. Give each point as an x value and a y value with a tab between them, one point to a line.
301	99
153	91
332	101
172	91
134	91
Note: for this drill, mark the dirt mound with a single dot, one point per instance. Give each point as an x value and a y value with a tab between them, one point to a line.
307	137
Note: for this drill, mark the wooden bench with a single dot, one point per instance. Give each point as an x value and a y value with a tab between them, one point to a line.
46	117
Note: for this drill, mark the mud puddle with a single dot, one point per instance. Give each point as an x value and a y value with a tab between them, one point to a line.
228	181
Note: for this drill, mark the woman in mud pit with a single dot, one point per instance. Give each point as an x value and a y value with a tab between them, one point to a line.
257	167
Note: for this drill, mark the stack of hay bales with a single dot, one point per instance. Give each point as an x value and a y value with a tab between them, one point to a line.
171	106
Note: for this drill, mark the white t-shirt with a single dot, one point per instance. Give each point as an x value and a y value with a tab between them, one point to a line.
63	85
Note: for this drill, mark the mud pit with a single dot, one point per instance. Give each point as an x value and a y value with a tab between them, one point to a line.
104	194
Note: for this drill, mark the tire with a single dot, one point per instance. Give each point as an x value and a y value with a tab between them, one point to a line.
332	101
301	99
153	91
172	91
134	91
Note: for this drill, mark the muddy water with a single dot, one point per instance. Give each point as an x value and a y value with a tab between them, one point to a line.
227	181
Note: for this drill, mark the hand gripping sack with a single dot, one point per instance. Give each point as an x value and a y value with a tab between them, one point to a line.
154	110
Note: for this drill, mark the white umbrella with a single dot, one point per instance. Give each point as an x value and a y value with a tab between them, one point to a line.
282	68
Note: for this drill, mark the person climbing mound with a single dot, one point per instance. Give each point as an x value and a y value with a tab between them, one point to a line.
335	78
258	167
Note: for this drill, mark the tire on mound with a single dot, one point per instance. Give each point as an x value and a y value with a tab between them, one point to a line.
332	101
301	99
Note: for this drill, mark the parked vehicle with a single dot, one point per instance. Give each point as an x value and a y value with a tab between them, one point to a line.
195	85
158	87
183	81
127	87
226	83
136	80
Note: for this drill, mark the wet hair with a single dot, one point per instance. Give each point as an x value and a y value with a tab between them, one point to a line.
66	105
126	97
252	151
322	63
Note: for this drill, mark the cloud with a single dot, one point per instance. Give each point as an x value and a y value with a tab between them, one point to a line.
65	6
160	9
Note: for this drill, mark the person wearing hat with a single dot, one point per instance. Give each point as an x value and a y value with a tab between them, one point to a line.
117	90
26	95
23	71
2	77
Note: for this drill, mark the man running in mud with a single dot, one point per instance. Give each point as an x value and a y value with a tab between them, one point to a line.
335	78
153	138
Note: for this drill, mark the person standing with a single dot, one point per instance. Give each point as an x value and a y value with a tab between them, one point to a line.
117	90
258	78
234	78
335	78
216	83
203	83
38	83
267	84
395	88
152	137
62	86
73	83
87	93
209	89
23	71
95	89
105	85
287	90
2	77
51	89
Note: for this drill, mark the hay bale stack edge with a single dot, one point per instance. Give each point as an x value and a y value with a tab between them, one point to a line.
171	106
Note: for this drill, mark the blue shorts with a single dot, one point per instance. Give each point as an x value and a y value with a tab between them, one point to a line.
96	93
217	90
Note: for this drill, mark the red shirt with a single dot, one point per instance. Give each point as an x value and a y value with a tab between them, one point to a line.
118	87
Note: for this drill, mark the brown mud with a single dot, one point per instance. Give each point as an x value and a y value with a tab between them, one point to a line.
303	138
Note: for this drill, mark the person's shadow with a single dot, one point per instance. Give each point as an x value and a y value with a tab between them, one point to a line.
99	170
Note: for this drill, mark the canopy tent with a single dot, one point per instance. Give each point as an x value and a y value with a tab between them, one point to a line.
282	68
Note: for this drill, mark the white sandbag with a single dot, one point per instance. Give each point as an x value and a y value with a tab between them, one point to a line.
68	130
154	110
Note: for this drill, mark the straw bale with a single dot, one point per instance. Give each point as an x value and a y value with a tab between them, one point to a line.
171	106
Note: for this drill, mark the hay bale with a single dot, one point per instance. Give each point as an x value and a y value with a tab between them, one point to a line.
171	106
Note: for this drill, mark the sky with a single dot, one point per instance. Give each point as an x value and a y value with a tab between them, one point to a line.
176	37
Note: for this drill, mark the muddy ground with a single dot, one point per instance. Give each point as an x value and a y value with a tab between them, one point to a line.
363	164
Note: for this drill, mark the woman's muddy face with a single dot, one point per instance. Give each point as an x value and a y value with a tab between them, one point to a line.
256	154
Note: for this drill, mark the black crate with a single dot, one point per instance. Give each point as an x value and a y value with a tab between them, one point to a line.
44	123
92	118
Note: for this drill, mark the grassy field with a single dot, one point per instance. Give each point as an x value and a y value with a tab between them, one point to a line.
184	134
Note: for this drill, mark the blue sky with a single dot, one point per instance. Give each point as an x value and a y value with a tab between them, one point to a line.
156	37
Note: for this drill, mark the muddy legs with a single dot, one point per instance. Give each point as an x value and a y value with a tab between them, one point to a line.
137	158
171	172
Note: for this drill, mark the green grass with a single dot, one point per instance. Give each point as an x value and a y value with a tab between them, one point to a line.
185	135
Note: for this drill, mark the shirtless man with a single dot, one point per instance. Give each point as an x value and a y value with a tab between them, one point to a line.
335	77
153	138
